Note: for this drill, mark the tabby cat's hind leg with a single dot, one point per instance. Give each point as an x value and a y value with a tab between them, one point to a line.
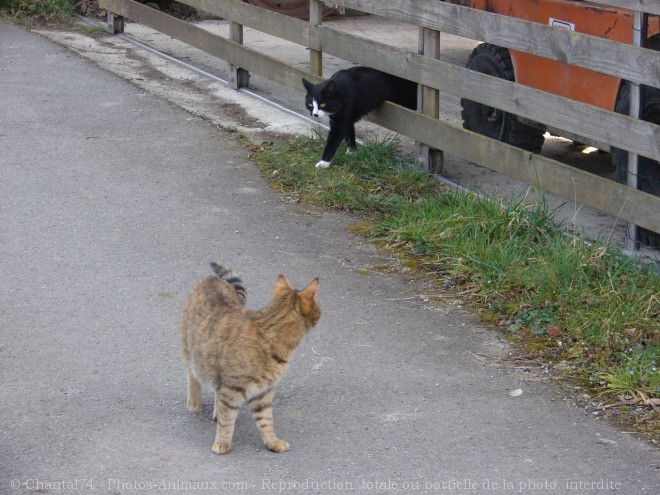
227	404
262	412
194	401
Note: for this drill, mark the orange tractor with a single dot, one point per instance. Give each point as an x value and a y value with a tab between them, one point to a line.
583	85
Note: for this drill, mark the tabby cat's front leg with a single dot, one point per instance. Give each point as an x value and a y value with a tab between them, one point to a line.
262	412
225	411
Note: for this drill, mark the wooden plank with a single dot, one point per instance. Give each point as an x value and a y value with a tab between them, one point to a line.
430	49
584	120
591	52
240	77
608	196
115	23
240	56
429	46
279	25
316	19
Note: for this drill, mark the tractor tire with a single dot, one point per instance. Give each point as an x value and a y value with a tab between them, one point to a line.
648	169
492	122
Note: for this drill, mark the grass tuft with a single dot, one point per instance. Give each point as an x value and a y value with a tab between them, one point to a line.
30	12
372	180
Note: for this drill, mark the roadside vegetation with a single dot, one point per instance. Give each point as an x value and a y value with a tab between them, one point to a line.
62	13
578	310
32	12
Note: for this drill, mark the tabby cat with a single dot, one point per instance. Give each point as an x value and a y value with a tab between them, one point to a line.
241	353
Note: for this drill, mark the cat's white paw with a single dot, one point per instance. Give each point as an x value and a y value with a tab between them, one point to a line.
194	402
322	164
193	406
278	446
221	448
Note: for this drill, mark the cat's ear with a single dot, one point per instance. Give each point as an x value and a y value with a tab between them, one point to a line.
308	294
308	85
309	307
281	286
330	88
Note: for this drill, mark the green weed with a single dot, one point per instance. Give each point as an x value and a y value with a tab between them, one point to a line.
636	374
37	11
372	180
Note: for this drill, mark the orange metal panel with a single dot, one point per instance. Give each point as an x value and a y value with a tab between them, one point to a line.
584	17
565	80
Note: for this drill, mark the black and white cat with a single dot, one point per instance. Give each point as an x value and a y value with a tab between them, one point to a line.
348	96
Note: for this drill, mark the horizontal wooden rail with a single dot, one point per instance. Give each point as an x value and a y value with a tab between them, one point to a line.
279	25
591	52
234	53
608	196
584	120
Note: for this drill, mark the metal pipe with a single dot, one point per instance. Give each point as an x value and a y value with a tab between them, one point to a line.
632	231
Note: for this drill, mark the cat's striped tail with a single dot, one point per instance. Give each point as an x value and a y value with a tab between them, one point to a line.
227	275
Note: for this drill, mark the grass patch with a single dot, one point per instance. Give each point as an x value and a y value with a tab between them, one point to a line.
373	180
583	310
33	12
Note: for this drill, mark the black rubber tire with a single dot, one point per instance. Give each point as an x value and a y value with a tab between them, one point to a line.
648	170
496	61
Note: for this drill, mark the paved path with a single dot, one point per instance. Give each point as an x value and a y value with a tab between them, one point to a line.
112	202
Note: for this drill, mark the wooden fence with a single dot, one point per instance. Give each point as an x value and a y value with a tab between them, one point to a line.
635	64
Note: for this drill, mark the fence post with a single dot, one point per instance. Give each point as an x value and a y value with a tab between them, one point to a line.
428	102
240	77
114	23
316	18
639	32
